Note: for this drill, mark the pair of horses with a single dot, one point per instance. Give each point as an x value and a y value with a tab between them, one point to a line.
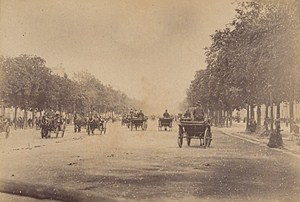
91	124
52	124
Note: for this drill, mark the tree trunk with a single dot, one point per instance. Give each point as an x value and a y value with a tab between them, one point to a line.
25	119
291	106
266	122
226	116
278	111
247	119
221	118
272	116
258	115
252	112
16	108
230	118
33	117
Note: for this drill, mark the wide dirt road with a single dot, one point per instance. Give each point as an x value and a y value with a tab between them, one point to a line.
144	166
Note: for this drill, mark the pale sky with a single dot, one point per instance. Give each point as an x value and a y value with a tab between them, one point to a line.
149	49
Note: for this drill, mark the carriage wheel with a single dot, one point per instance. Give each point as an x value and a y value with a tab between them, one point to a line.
57	131
206	138
88	130
46	133
7	131
180	140
42	132
63	130
180	137
188	140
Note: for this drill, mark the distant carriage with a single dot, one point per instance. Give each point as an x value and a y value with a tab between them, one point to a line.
52	125
96	123
79	122
194	130
165	123
138	123
5	127
125	121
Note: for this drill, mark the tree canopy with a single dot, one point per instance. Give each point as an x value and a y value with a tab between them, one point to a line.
27	83
255	55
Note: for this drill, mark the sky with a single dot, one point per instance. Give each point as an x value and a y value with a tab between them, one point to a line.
149	49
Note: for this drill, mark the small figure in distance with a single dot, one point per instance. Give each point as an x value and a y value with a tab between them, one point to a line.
50	113
187	114
198	113
140	114
166	115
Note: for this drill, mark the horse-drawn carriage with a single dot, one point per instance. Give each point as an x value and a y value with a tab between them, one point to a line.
79	122
165	123
52	124
96	123
138	123
125	121
194	130
5	127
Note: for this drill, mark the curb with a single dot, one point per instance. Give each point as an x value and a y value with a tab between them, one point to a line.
254	140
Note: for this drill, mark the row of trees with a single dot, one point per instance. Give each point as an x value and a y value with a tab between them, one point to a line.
26	83
253	61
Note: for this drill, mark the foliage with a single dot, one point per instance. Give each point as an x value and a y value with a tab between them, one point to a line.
254	56
27	83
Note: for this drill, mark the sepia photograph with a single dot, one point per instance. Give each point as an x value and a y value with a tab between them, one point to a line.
150	100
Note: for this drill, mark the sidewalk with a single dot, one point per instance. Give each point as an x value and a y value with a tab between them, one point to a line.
238	130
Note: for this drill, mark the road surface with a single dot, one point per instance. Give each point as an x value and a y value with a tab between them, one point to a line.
125	165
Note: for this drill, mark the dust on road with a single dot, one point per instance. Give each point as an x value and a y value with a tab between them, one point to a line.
148	165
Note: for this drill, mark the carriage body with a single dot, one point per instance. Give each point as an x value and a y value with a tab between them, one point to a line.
138	123
194	130
52	125
165	123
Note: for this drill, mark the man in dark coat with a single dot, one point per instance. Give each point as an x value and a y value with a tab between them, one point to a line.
198	113
166	114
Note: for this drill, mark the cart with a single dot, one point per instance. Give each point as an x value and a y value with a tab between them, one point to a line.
93	124
138	123
194	130
53	125
165	123
125	121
